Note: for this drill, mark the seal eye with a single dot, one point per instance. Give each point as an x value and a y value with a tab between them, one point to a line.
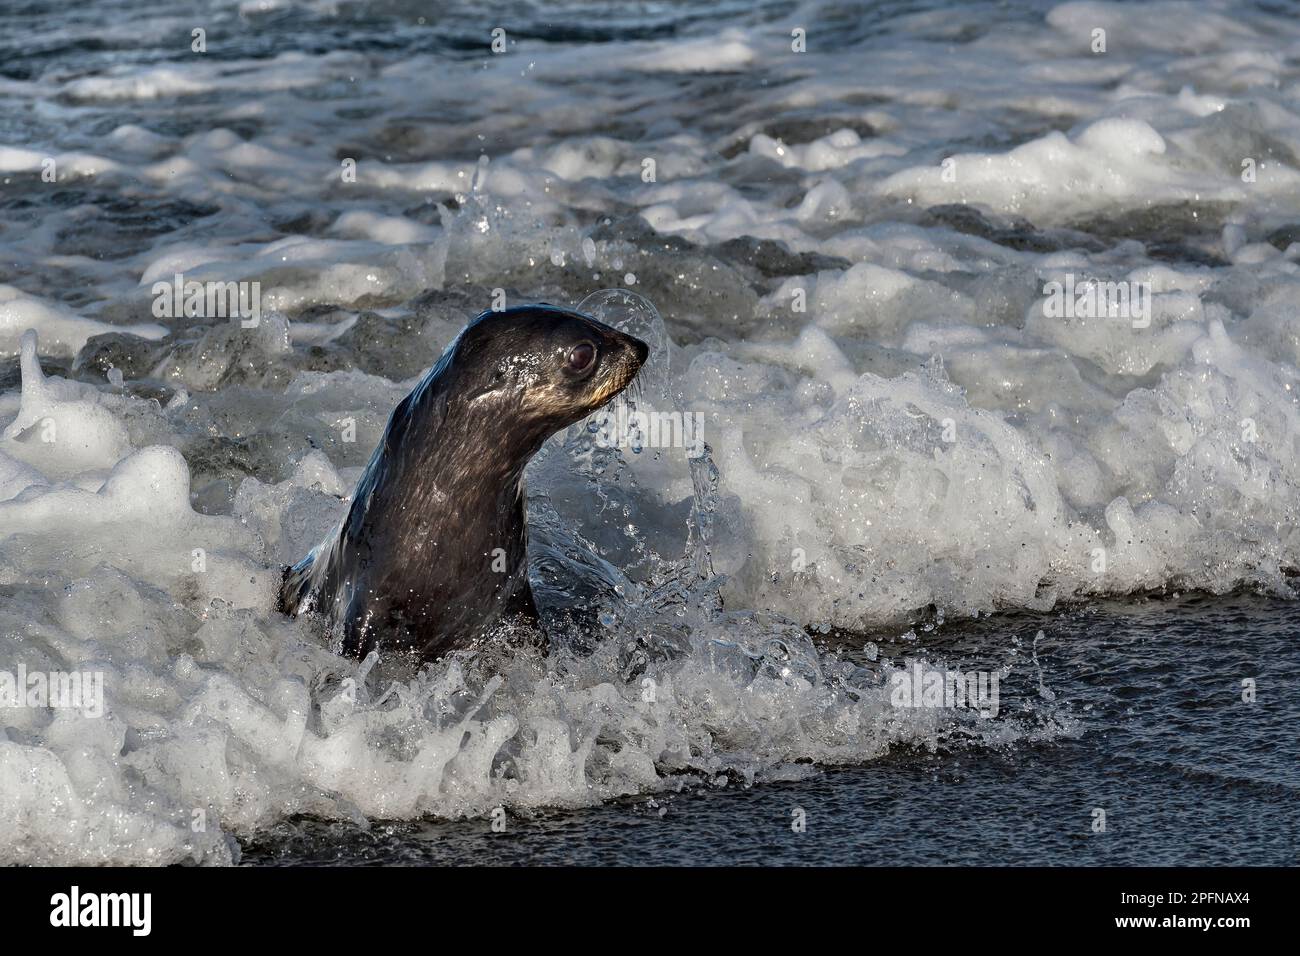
581	358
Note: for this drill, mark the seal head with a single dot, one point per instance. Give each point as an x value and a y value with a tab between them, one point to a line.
432	551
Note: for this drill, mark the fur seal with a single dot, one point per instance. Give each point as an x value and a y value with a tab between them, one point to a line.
432	550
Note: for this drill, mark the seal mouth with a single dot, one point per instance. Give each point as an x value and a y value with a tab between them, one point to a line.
632	354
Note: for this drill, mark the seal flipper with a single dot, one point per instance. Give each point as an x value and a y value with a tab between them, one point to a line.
295	586
358	636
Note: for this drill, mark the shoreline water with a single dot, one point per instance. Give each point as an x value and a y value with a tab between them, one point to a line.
1187	774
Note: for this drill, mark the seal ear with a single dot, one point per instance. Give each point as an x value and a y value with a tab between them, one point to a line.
497	381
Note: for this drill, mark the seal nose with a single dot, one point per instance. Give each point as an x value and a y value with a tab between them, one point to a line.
640	348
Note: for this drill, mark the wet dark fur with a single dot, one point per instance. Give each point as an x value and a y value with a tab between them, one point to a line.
411	567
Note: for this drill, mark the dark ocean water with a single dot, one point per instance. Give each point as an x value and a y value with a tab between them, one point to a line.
1186	772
